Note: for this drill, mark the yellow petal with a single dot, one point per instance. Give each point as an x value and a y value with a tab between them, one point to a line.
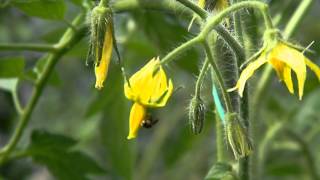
202	3
101	70
287	79
248	72
137	114
278	66
315	68
295	60
149	86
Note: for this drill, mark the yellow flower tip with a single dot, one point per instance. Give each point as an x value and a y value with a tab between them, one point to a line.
131	136
101	69
137	114
101	74
99	85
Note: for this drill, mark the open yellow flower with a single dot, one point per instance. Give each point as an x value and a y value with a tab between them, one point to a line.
102	66
283	59
147	88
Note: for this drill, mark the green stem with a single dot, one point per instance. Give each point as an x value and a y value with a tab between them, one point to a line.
221	155
195	8
297	17
180	49
68	40
219	78
214	21
202	74
28	47
238	25
104	3
232	43
16	102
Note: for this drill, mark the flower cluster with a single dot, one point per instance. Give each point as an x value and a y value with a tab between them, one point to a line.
150	88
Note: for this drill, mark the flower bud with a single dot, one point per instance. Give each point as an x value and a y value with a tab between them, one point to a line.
102	40
237	137
196	114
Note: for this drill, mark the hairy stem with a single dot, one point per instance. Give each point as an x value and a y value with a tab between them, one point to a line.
202	74
219	78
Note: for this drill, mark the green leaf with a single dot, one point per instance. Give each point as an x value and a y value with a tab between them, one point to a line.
219	171
57	154
11	67
46	9
9	84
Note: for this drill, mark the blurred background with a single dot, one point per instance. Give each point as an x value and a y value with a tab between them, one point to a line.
98	120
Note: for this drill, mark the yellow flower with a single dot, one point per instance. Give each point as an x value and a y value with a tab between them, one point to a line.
101	67
147	88
283	59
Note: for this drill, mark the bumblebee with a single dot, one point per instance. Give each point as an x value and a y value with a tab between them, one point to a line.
149	122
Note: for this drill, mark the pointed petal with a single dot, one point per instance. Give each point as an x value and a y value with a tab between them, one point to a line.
315	68
287	79
295	60
248	72
137	114
278	66
101	70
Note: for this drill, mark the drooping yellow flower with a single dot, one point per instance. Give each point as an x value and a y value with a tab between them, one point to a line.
147	88
283	59
101	67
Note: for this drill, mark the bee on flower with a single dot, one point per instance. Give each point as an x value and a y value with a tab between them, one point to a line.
147	88
284	58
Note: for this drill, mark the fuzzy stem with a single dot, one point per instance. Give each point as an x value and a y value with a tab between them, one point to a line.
68	40
218	75
202	74
262	7
238	25
180	49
